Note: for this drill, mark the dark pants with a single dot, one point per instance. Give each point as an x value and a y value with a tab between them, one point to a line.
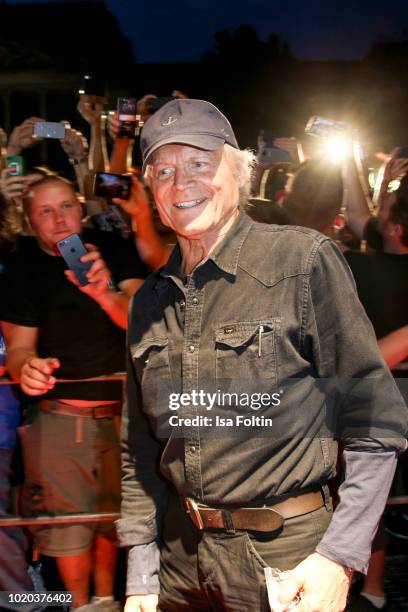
13	565
213	570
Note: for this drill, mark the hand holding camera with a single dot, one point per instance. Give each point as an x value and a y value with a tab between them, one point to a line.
75	145
137	204
22	137
15	187
88	270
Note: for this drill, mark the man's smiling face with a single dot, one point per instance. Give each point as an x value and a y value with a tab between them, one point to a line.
196	191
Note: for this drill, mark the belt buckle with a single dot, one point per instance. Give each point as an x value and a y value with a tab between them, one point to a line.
194	513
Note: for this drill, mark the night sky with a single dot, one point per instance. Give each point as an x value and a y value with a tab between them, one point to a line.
182	30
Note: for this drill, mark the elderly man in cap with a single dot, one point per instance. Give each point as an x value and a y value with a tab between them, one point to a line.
219	481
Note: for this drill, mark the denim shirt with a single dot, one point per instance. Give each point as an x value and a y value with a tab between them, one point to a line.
275	308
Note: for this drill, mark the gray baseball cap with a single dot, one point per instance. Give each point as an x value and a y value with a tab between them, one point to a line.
185	121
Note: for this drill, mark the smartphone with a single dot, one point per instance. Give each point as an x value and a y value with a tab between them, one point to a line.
323	128
92	85
107	185
72	249
48	129
15	163
127	111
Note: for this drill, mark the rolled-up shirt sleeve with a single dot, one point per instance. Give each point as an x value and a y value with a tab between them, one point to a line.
143	570
363	495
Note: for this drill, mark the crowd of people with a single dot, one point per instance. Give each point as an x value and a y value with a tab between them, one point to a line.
230	264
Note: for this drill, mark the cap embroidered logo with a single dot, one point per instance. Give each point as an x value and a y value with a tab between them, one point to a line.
169	121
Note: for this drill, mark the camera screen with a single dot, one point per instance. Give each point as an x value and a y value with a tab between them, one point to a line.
112	185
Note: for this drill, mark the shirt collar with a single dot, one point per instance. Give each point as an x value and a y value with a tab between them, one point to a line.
225	255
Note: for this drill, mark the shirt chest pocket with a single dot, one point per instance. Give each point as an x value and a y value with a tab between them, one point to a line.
246	350
152	365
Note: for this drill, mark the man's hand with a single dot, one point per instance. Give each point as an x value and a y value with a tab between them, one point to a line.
22	136
142	603
98	275
91	108
323	584
74	144
114	126
395	167
36	375
16	187
137	205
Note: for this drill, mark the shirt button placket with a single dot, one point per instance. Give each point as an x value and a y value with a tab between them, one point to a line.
192	328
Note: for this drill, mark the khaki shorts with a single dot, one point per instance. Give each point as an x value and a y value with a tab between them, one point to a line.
66	476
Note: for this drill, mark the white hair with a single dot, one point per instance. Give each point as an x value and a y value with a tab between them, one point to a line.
243	163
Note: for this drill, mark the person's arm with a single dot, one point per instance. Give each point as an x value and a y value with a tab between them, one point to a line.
91	109
150	246
34	374
121	155
371	420
76	147
394	346
144	493
356	202
100	289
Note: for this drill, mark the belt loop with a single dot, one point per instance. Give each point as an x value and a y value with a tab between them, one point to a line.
229	525
327	498
79	430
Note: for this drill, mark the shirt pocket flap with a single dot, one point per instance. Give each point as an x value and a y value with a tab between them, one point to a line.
234	335
143	347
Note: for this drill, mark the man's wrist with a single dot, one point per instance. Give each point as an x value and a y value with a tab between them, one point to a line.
76	161
106	298
13	149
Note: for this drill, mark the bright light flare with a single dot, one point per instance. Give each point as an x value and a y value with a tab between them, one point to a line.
336	149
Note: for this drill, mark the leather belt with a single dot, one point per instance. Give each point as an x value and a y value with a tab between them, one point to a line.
265	518
95	412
